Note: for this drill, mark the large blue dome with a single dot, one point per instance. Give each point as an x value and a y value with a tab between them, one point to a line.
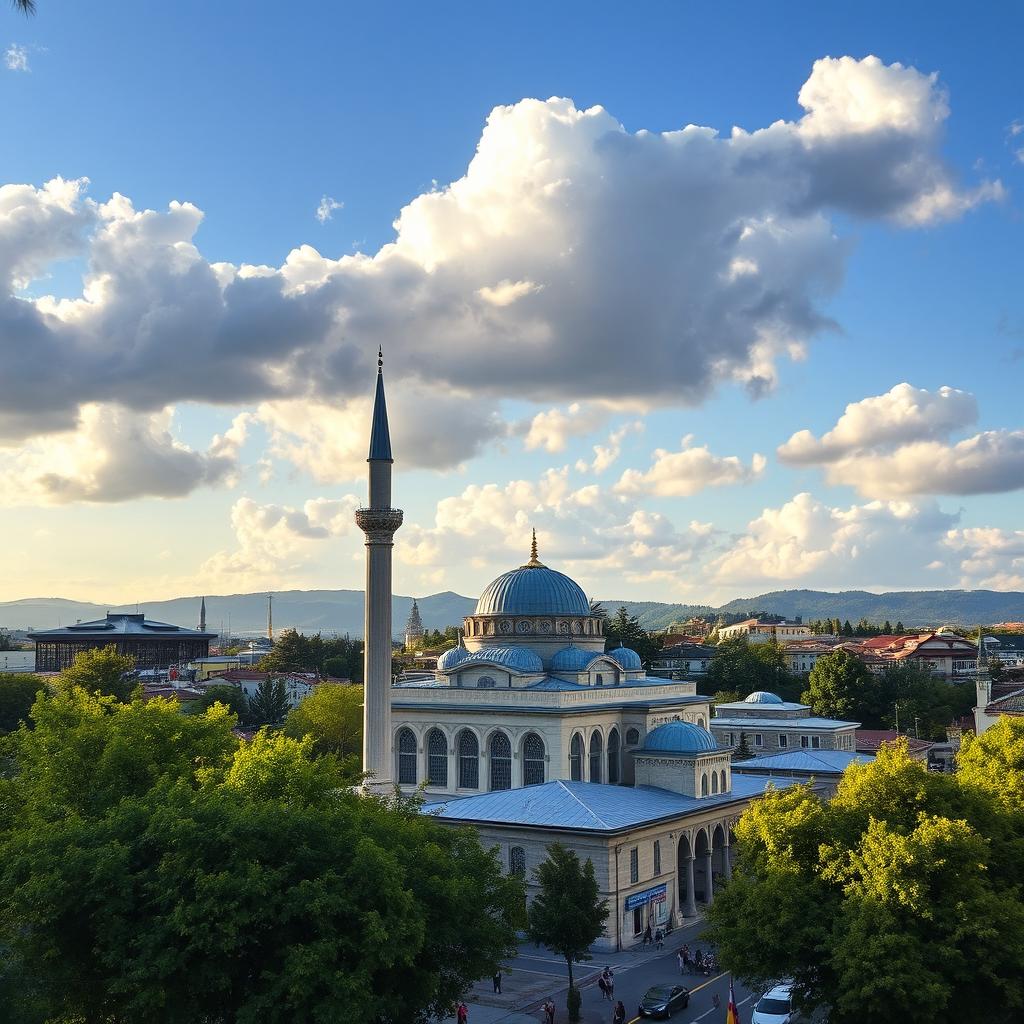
762	697
533	590
680	738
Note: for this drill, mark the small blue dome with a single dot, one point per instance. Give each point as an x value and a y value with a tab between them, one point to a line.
533	590
451	658
628	659
680	738
762	697
572	659
518	659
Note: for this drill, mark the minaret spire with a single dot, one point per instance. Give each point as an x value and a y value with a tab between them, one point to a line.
378	521
534	562
202	614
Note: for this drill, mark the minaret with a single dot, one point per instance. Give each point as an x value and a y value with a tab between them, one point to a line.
378	521
413	628
270	617
202	615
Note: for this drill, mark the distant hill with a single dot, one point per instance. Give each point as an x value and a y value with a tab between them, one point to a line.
341	611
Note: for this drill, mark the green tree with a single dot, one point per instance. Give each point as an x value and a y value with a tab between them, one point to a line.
839	686
897	900
996	670
332	715
220	882
18	691
102	670
741	667
993	762
269	704
887	628
7	641
623	628
743	752
567	915
900	629
232	697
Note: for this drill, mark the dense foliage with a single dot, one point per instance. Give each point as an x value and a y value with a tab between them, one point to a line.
269	704
840	686
101	670
567	915
332	716
232	697
155	870
18	692
740	668
7	641
900	899
863	628
296	652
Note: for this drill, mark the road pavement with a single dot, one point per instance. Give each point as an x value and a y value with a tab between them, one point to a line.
535	974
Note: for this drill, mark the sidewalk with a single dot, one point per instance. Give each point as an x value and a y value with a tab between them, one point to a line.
523	990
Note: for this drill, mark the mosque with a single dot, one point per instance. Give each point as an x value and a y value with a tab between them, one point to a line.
533	733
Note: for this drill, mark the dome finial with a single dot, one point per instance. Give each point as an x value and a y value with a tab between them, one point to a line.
534	562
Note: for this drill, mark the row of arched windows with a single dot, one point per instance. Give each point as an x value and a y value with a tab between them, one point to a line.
467	750
717	784
596	762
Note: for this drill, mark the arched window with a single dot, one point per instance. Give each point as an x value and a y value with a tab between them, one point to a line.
437	758
596	752
517	862
704	784
723	786
469	760
486	683
576	758
714	782
501	761
406	758
632	737
533	760
701	722
613	757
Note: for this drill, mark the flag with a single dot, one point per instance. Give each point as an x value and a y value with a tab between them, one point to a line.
732	1015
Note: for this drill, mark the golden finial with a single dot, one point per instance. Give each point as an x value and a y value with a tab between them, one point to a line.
534	562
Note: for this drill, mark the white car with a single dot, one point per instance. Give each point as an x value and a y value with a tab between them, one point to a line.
775	1006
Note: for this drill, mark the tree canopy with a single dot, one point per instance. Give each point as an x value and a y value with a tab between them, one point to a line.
623	628
741	667
296	652
154	869
102	670
900	899
269	704
332	716
839	685
232	697
18	692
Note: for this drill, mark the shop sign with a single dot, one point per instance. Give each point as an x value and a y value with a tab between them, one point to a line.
639	899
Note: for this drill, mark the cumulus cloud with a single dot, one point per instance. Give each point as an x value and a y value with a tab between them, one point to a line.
902	414
990	558
114	455
16	58
573	261
606	455
892	446
688	471
805	541
326	208
551	429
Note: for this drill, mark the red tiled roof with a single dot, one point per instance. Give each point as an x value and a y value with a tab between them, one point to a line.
869	740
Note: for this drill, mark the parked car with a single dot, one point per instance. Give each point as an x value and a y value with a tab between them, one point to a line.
775	1006
663	1000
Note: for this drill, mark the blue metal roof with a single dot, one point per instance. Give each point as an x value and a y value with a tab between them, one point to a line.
452	657
380	436
826	761
518	659
762	697
552	683
628	659
533	590
680	738
572	659
779	723
589	806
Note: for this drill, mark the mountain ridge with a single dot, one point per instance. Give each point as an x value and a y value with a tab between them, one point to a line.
341	611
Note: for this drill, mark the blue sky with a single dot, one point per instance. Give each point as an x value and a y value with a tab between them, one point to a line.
898	261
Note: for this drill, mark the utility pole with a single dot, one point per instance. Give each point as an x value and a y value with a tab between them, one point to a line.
897	718
270	617
917	731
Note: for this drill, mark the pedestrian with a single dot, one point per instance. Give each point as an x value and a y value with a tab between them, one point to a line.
659	940
648	938
549	1012
497	981
685	953
462	1014
682	962
609	982
603	987
716	1002
619	1013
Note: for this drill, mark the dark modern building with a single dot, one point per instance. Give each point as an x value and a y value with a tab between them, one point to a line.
151	644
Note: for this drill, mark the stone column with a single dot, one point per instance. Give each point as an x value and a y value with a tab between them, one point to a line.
709	887
727	862
690	909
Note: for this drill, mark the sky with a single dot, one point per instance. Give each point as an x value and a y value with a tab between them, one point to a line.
720	298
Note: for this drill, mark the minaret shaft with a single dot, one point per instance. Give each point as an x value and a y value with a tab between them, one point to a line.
378	521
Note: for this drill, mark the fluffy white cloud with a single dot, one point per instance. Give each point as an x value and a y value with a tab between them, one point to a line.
606	455
573	261
990	558
902	414
806	542
551	429
890	446
688	471
116	455
326	208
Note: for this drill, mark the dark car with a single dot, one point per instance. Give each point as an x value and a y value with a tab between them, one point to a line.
664	1000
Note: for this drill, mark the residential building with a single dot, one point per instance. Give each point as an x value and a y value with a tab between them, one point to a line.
298	685
686	660
942	652
870	741
770	724
757	631
802	655
821	768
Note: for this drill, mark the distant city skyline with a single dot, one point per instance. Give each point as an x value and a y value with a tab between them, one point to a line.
703	362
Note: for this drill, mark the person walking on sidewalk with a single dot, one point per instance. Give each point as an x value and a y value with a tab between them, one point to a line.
648	938
497	981
682	962
619	1013
462	1014
609	982
549	1011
